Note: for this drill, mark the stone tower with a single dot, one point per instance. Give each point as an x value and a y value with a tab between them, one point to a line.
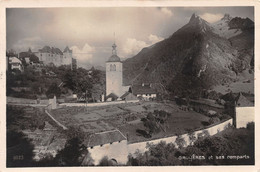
67	56
114	77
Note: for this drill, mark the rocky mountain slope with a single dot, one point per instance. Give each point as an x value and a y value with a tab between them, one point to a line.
213	54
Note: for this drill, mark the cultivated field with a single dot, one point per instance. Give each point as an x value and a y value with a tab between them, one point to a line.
127	118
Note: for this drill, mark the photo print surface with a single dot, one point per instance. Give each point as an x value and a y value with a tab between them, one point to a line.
130	86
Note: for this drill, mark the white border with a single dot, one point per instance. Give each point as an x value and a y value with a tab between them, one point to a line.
81	3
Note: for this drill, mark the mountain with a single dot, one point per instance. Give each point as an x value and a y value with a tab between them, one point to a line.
199	51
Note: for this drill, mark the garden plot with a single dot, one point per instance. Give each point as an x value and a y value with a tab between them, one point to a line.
127	118
84	116
179	123
110	111
96	126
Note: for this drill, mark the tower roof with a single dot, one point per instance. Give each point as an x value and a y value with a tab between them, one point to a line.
67	50
242	101
114	57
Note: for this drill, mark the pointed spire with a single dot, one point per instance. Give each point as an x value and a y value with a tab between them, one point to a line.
29	51
114	37
114	49
114	46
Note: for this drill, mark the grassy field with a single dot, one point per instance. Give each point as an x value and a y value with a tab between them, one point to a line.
127	118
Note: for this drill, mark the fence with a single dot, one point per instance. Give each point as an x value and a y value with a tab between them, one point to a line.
99	104
20	100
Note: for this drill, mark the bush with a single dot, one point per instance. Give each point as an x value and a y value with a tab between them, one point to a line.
205	123
180	141
53	90
214	120
143	133
251	126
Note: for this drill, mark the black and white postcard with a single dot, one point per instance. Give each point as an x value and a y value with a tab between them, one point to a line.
136	84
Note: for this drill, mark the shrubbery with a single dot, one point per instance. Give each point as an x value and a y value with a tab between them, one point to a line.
156	121
232	141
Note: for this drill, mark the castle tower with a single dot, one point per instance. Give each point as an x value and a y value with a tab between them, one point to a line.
67	56
114	78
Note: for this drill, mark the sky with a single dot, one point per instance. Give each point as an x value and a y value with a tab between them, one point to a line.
90	32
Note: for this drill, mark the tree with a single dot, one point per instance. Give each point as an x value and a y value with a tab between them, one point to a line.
213	120
157	155
188	86
53	90
192	137
151	124
180	141
107	162
19	150
72	154
229	142
162	117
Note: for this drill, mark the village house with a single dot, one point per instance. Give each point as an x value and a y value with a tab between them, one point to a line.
15	63
128	96
107	143
244	111
144	91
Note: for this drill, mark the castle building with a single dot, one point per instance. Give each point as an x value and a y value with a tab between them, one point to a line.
50	55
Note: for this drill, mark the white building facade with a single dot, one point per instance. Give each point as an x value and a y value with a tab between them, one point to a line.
50	55
15	63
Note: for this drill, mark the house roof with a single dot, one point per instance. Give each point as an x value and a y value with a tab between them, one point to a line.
242	101
142	89
104	138
129	96
48	49
56	51
14	60
114	58
124	95
112	95
67	50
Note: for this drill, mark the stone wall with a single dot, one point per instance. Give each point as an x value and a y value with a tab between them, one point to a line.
116	150
141	146
20	100
120	150
99	104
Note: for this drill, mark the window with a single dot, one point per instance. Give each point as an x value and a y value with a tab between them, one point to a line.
114	67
